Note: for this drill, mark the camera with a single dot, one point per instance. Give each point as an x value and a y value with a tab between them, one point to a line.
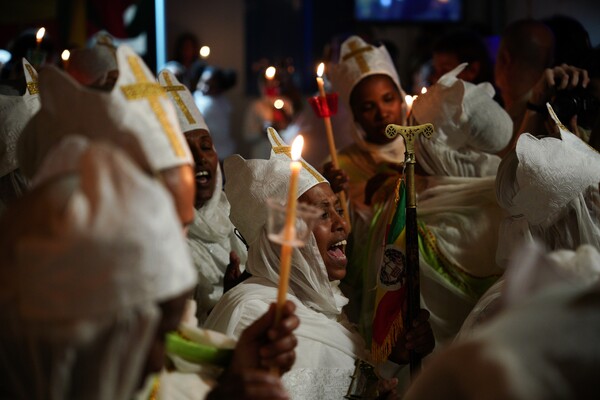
578	101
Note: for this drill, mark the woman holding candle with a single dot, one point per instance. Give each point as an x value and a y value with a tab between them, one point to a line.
327	344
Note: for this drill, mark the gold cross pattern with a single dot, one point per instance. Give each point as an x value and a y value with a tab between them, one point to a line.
174	91
282	148
32	87
146	89
409	133
356	52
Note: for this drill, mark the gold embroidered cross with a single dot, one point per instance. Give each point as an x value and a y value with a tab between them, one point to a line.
145	89
32	86
356	53
282	148
174	89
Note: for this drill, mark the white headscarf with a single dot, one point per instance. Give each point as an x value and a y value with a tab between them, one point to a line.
188	114
470	127
84	269
359	60
92	65
249	184
136	115
15	112
549	186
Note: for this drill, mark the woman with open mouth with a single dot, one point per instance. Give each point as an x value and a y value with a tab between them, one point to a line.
328	345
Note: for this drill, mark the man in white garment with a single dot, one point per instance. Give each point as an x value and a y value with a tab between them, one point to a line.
328	344
137	116
212	240
457	204
83	275
543	346
549	188
15	112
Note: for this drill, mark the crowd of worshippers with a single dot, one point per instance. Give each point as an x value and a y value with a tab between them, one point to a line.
134	266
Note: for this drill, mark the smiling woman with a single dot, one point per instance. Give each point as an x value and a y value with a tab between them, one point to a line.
206	160
328	345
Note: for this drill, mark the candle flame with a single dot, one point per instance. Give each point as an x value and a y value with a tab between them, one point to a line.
320	70
204	51
65	55
40	34
424	90
278	104
409	100
297	147
270	73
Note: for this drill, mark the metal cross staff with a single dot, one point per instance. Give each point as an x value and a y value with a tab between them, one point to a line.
410	133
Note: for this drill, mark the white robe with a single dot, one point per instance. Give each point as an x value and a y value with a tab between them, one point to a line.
327	344
211	238
545	348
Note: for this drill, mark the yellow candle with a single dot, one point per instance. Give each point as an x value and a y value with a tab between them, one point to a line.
330	140
289	233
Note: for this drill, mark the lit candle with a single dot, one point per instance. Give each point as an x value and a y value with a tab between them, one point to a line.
289	232
270	73
330	140
204	52
289	229
408	99
423	90
320	83
65	58
39	36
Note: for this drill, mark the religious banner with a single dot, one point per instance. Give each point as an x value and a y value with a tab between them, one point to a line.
391	296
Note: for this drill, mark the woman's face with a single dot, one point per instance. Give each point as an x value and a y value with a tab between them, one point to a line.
375	103
206	160
330	230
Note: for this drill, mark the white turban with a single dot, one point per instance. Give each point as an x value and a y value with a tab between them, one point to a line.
15	112
84	267
136	115
269	179
92	65
470	127
359	60
549	186
188	114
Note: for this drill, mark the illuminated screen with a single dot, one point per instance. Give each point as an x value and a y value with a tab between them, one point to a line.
408	10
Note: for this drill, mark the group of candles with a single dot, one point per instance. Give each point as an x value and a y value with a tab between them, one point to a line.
295	167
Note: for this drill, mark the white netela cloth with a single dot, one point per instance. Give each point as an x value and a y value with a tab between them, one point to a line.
326	341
